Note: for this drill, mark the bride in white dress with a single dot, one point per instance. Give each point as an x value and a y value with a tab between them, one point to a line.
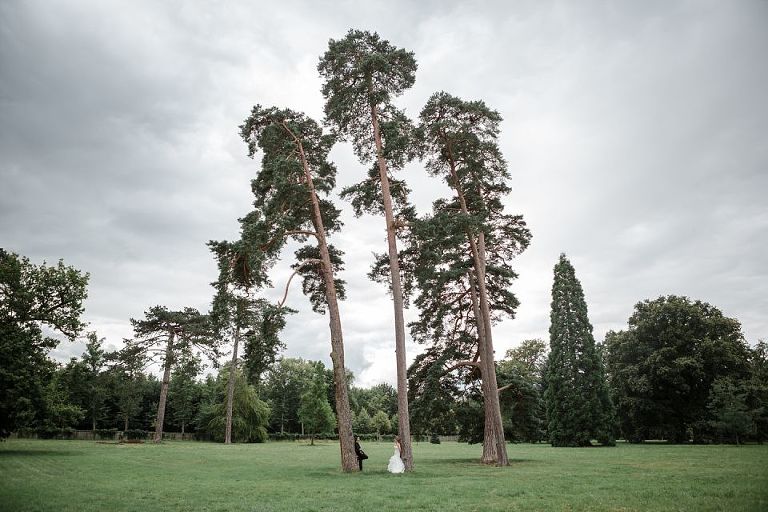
395	462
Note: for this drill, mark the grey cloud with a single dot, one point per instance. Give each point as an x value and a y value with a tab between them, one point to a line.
633	133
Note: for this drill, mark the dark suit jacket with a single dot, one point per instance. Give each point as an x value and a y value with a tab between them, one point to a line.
358	450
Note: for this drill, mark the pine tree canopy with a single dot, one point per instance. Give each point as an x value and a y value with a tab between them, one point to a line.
361	72
282	190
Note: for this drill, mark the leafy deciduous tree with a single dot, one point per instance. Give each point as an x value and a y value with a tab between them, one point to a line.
33	296
662	367
315	412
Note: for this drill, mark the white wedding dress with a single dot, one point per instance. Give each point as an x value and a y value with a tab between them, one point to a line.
395	462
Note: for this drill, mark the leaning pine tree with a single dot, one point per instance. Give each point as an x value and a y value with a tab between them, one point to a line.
362	74
295	169
578	405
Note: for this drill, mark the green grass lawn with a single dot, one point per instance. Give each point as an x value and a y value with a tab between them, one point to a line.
84	475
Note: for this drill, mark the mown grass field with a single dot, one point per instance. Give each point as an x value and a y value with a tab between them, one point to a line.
180	476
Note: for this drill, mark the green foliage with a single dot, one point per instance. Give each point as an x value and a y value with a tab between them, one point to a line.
522	403
663	366
183	391
380	423
191	330
433	399
250	415
757	387
33	297
286	194
135	434
362	72
262	342
727	405
380	397
59	412
126	381
578	406
467	236
314	411
361	422
313	284
105	433
285	382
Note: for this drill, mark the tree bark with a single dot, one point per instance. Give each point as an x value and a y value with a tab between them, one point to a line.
490	452
231	387
164	389
344	416
403	416
494	412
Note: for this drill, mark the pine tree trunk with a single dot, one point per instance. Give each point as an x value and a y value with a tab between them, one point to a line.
494	407
343	413
403	416
126	424
490	454
231	388
164	389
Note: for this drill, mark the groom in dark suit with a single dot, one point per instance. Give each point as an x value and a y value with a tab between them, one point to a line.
361	456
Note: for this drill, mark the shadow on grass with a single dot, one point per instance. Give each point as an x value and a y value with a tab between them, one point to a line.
473	461
36	453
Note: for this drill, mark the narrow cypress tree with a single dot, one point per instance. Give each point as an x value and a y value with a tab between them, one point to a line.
578	405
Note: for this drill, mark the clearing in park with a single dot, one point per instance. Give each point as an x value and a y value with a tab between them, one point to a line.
180	476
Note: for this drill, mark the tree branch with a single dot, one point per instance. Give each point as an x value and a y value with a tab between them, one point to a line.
460	364
288	284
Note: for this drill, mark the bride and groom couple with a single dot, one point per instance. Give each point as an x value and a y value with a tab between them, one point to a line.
395	462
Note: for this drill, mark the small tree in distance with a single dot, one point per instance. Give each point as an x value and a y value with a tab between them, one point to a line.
184	330
315	412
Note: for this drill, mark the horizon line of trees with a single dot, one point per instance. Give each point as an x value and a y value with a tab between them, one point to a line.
680	372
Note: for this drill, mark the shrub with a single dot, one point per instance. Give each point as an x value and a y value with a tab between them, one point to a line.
55	433
135	434
434	439
105	433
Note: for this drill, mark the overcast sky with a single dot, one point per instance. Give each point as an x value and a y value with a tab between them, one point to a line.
636	136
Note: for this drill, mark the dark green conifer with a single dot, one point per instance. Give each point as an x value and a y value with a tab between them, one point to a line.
578	405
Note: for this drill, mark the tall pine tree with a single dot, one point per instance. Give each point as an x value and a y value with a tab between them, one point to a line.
362	74
294	172
460	142
578	405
